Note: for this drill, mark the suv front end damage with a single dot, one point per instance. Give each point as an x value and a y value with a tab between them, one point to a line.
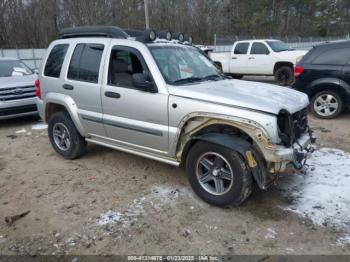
265	157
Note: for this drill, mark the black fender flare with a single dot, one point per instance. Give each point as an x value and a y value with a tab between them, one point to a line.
335	83
243	148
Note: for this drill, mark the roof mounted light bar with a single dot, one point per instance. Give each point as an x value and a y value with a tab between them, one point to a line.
145	36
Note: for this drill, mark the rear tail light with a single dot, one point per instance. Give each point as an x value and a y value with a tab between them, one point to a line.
37	89
298	70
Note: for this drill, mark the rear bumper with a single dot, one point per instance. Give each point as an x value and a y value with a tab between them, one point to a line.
17	108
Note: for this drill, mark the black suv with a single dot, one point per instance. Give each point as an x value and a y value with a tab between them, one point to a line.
324	75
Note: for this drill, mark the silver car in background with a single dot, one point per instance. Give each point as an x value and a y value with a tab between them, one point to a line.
17	89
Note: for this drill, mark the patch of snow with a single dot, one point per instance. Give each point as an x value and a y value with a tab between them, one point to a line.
21	131
210	227
109	217
157	198
322	194
271	233
29	133
39	126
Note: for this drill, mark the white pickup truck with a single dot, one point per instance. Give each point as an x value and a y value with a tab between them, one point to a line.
259	57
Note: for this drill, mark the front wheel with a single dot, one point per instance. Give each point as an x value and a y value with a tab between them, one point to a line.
284	75
218	175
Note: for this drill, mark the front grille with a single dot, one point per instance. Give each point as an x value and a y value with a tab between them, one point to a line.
292	127
14	93
17	110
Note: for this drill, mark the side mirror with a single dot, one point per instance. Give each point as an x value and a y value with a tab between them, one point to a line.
36	71
267	52
143	83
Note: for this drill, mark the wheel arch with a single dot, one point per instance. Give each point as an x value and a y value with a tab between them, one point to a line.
218	65
59	102
335	85
243	135
280	64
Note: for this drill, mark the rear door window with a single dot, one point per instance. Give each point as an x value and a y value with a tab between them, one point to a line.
333	57
85	63
55	60
241	48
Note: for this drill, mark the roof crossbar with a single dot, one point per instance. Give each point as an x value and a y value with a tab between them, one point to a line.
93	31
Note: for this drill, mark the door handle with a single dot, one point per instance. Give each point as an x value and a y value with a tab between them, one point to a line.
68	87
234	57
250	58
112	94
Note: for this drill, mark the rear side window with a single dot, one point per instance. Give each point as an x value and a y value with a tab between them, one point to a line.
241	48
85	63
332	57
55	60
259	49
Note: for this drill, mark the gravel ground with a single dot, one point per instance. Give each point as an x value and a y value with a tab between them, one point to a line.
109	202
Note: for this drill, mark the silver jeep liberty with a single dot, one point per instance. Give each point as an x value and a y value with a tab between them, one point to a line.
159	97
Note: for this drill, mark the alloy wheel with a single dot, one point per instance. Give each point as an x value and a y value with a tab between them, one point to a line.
214	173
326	105
61	136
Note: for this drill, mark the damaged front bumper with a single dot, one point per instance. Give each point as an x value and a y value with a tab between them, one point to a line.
295	155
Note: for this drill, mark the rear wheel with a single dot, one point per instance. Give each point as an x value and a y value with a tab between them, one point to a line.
326	104
284	75
218	175
64	136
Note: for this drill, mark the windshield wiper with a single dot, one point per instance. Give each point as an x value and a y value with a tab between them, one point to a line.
213	77
188	80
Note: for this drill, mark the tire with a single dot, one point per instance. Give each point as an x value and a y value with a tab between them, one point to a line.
65	131
284	75
232	193
326	104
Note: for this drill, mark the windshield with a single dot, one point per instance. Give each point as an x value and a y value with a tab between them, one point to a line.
184	64
13	68
278	46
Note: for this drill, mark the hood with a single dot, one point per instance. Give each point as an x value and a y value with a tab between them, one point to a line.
251	95
17	81
291	55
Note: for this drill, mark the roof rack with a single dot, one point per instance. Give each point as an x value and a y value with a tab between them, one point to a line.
93	31
145	36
